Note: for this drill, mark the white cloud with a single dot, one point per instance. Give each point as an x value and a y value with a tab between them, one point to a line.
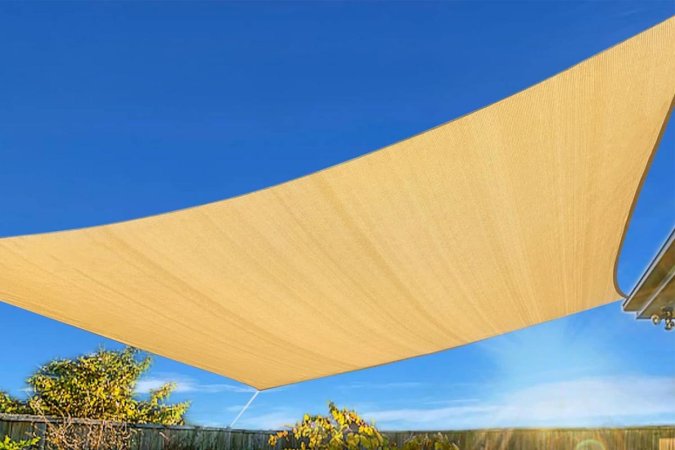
273	420
581	402
426	418
390	385
184	384
608	400
234	408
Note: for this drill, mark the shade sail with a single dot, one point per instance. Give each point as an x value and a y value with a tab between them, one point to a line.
507	217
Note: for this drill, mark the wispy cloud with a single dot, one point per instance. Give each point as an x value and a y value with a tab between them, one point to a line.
427	418
449	402
580	402
271	420
234	408
591	401
389	385
185	384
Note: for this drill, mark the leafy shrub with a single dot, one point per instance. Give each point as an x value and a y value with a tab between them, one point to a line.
341	429
97	386
101	386
436	441
10	405
9	444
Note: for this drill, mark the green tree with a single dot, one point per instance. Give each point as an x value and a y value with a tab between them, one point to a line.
97	386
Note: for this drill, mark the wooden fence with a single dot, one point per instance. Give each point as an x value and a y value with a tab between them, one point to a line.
152	437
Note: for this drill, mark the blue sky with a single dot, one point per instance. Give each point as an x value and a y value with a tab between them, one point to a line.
111	111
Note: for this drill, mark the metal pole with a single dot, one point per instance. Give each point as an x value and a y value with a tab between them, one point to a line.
255	394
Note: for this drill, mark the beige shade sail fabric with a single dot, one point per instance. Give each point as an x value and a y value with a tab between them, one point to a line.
510	216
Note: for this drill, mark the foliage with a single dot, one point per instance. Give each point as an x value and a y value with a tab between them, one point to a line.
97	386
436	441
155	410
9	444
10	405
341	429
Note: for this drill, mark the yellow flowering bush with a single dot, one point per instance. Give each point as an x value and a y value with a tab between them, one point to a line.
341	429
